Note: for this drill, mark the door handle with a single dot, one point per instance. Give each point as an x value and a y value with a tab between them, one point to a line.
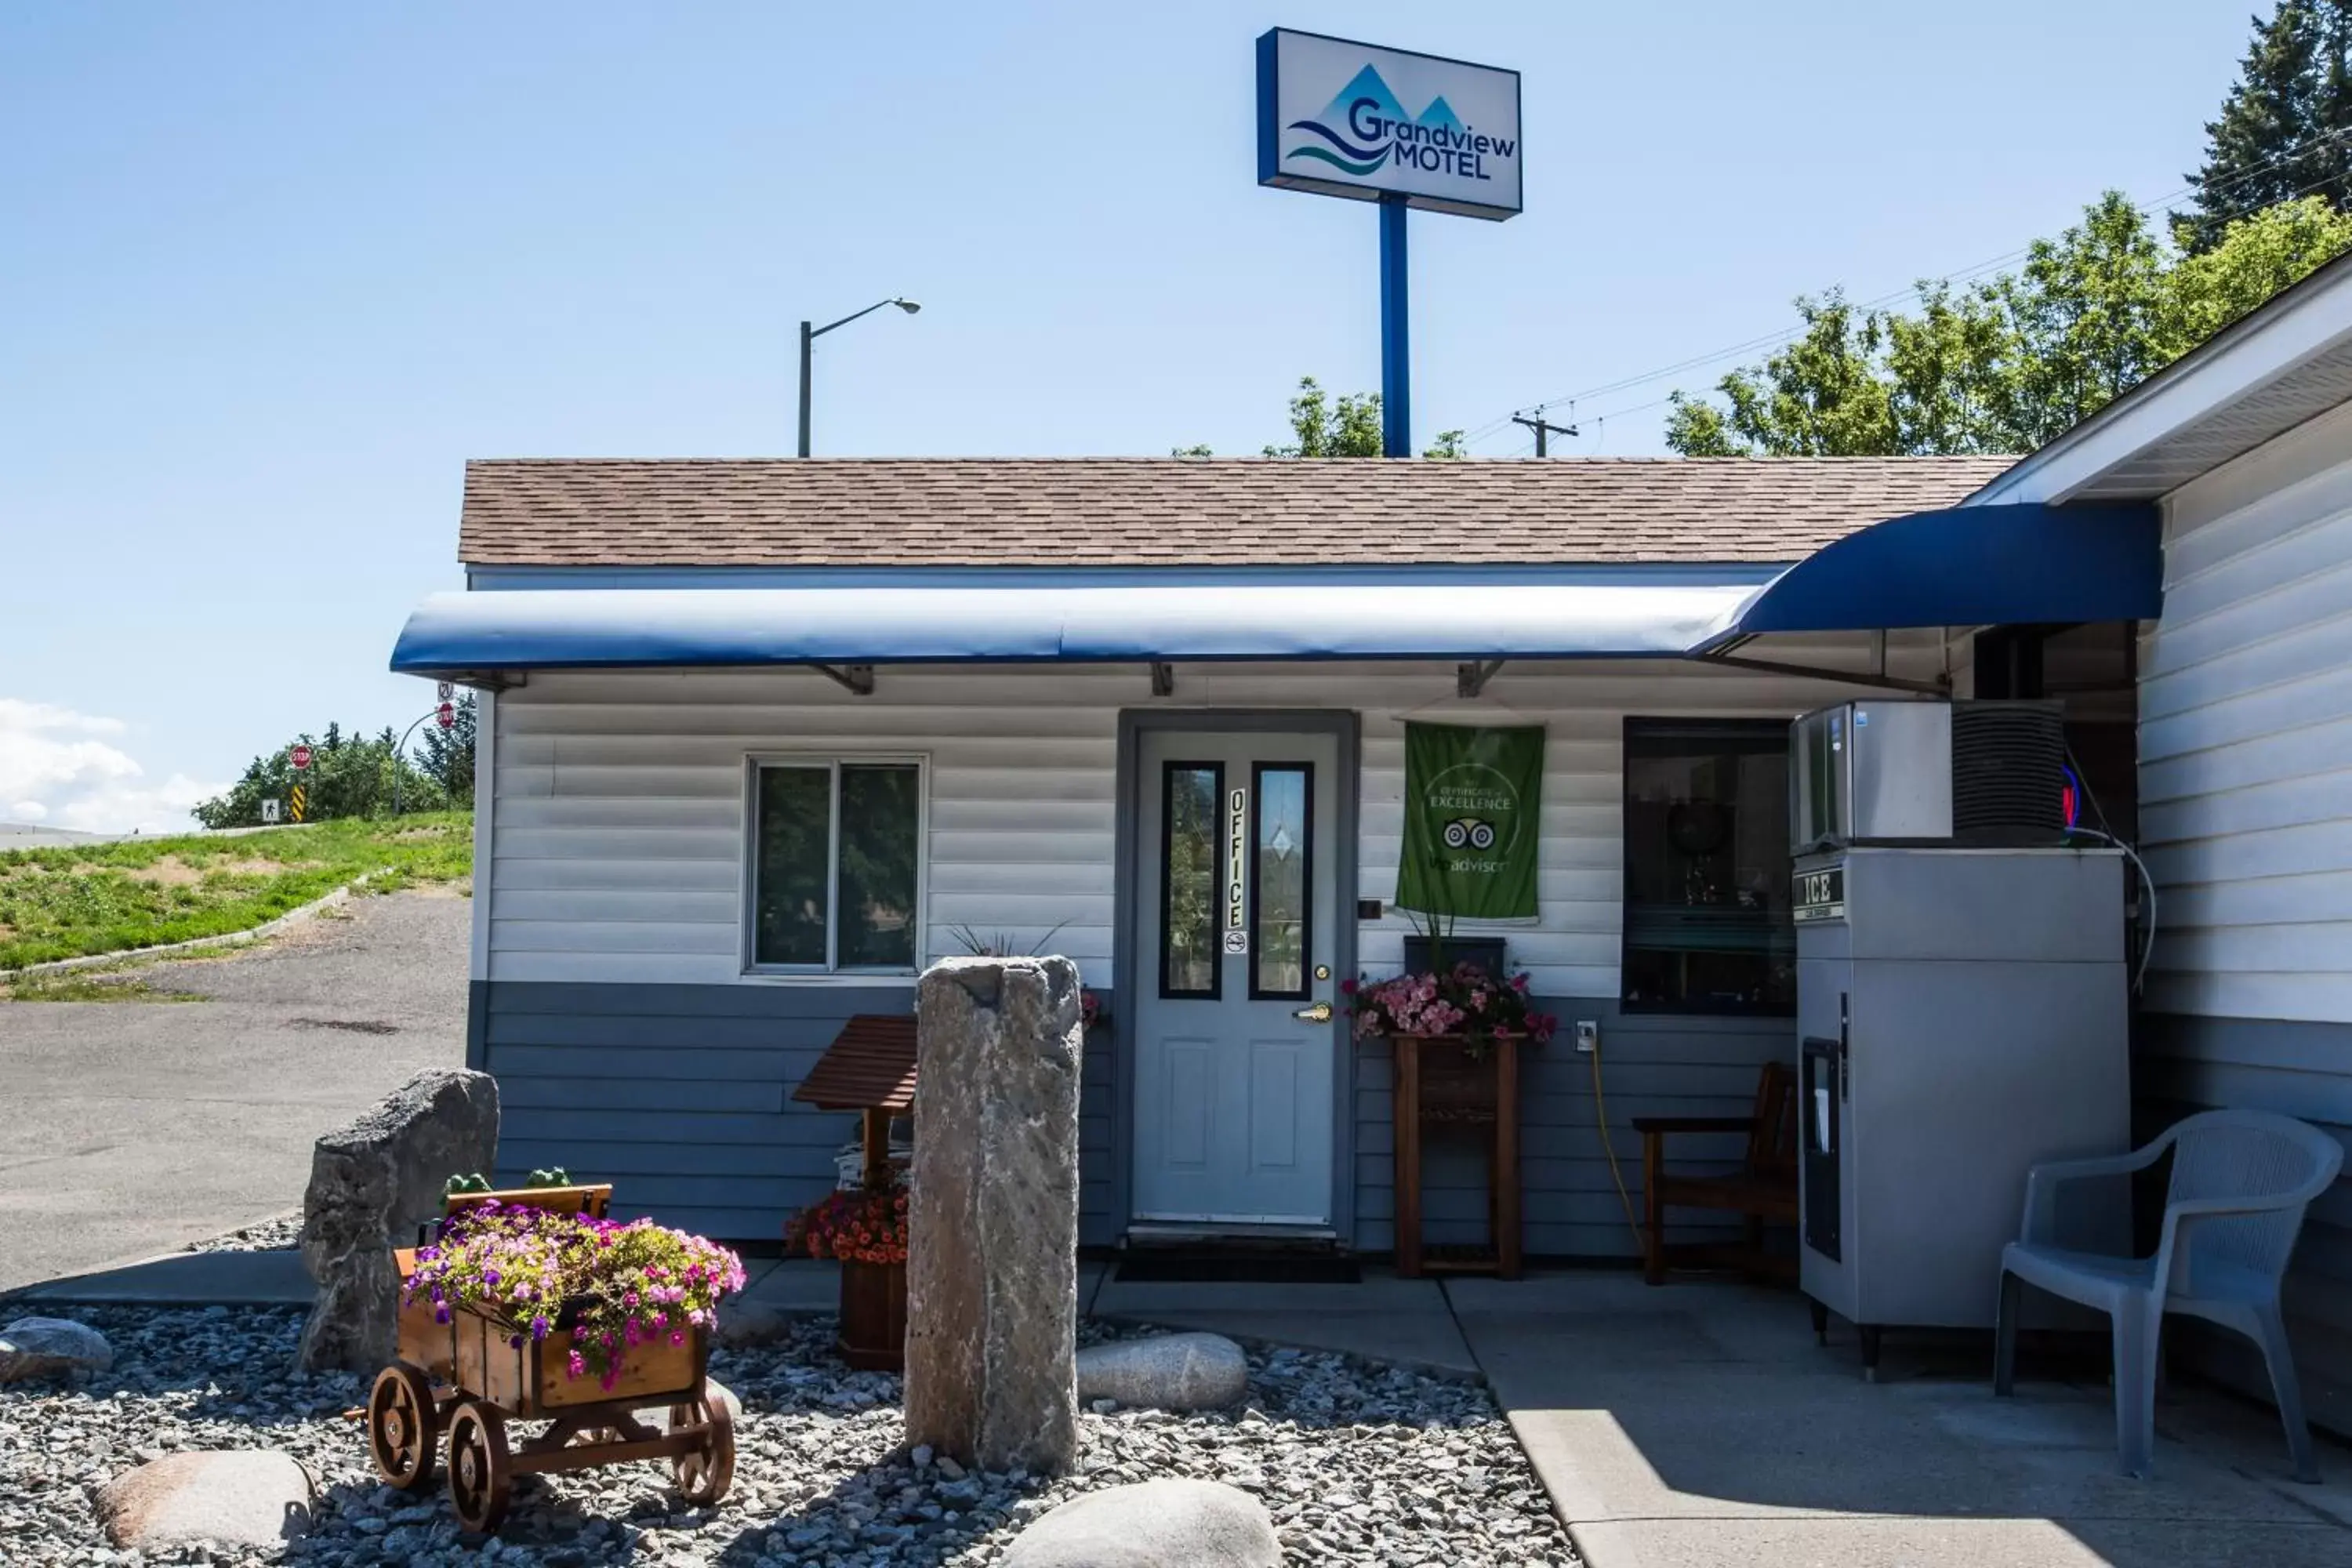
1320	1013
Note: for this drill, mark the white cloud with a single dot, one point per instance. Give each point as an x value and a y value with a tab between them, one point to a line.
56	771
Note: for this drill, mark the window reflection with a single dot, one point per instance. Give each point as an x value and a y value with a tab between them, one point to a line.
1280	906
1188	879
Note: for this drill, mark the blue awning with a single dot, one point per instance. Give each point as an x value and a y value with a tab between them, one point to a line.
580	629
1968	566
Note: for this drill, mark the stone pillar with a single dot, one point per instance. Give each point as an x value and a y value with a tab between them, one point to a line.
372	1183
993	1225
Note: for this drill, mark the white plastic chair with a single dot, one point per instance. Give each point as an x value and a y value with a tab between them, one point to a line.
2241	1180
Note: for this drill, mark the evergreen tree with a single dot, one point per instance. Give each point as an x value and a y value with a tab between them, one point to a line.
2285	129
449	753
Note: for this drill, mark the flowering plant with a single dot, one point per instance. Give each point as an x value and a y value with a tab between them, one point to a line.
1464	999
867	1225
613	1285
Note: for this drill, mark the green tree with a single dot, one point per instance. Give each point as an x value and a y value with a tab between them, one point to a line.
1345	426
2005	366
449	753
2285	129
348	776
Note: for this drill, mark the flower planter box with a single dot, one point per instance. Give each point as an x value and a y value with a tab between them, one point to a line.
466	1376
529	1381
874	1315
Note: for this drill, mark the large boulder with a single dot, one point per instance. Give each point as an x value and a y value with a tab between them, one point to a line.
1152	1524
992	1219
372	1183
51	1347
228	1496
1172	1372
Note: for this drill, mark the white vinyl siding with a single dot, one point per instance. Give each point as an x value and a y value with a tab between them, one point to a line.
619	853
2245	737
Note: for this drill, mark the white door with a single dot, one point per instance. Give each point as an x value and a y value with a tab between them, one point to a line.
1236	1025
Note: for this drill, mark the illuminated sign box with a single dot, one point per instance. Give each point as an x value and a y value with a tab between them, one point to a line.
1343	119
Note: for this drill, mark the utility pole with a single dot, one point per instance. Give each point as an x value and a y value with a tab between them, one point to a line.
1543	447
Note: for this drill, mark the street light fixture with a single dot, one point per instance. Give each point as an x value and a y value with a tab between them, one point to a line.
809	336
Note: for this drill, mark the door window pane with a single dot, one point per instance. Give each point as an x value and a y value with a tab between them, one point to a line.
1280	869
1708	924
878	845
1190	888
792	899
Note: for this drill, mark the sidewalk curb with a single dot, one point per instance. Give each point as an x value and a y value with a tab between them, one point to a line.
226	939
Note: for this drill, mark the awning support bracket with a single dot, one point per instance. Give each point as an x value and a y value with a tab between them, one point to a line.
1470	679
1939	687
853	677
1163	678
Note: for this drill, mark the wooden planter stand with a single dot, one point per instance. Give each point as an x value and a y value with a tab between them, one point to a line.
869	1069
874	1315
1438	1083
468	1377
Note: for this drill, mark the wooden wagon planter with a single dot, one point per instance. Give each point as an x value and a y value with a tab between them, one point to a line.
468	1378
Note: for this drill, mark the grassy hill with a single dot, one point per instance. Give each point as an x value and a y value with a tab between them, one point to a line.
82	900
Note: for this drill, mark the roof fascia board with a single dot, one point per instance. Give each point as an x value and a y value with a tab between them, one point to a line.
2259	348
1566	574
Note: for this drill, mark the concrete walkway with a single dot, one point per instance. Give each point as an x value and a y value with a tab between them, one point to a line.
1698	1425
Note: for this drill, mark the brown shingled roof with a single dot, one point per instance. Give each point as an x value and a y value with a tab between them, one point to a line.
1167	512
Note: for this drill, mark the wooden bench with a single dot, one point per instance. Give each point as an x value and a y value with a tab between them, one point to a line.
1762	1191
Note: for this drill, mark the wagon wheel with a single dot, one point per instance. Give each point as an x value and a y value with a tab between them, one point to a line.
481	1480
402	1426
704	1474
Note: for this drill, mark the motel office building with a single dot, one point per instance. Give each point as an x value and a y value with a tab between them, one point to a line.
762	739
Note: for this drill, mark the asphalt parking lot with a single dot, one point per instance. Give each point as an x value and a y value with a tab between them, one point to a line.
128	1128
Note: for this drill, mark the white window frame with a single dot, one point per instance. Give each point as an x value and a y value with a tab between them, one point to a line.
832	763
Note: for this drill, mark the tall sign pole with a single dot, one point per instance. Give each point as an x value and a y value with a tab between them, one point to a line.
1396	333
1404	130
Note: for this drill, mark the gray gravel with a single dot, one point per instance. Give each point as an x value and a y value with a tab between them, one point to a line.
279	1233
138	1129
1359	1465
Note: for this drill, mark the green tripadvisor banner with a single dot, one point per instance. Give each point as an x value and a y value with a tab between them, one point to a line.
1470	798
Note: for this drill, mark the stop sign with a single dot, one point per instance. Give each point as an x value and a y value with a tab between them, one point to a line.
446	715
301	757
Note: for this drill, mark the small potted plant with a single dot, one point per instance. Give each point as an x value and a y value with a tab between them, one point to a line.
1461	1010
865	1229
1093	1015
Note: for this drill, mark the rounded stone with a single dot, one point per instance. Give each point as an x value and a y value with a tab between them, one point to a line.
51	1347
1152	1524
239	1496
1171	1371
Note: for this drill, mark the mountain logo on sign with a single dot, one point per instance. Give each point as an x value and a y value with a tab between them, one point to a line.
1364	128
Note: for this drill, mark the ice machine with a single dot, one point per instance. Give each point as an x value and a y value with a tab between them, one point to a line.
1963	1004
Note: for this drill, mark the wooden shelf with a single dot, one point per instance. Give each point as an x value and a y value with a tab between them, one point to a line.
1440	1083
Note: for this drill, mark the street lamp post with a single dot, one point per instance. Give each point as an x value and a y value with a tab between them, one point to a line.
809	336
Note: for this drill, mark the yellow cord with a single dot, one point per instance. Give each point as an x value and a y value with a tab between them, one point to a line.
1608	1147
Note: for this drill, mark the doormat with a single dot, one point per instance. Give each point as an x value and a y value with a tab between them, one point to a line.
1236	1268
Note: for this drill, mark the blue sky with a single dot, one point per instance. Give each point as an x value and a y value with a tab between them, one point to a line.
270	273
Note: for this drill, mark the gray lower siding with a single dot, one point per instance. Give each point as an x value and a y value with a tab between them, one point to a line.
1651	1065
681	1096
2183	1064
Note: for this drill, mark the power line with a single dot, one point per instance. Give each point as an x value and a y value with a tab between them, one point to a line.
1965	275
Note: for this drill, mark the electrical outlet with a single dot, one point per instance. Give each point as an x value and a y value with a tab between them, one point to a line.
1588	1035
